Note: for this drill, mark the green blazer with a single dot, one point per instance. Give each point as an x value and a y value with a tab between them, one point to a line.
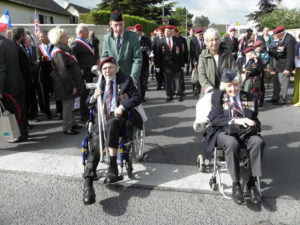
130	56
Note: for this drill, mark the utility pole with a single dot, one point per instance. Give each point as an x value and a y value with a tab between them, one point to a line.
185	33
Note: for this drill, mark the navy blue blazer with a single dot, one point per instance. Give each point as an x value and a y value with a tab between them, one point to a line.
124	85
220	116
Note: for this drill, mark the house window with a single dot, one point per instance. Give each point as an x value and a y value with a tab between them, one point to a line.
41	19
51	20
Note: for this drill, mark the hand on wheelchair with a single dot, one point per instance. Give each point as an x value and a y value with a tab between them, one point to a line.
245	122
98	92
119	111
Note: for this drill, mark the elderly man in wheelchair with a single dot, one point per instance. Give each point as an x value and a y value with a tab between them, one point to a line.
119	96
235	125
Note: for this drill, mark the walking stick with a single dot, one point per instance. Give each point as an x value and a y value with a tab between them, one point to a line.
95	70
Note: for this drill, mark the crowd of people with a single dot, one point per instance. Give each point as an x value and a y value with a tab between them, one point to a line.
58	67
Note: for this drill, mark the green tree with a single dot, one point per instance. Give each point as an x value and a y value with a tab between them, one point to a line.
265	6
201	21
155	12
288	18
178	18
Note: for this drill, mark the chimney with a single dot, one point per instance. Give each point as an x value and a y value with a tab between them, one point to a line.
66	2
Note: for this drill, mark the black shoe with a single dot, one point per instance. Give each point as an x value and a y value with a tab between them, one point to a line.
84	119
254	195
77	126
272	100
76	110
180	98
112	176
36	120
237	194
169	99
89	196
279	102
144	100
71	132
22	138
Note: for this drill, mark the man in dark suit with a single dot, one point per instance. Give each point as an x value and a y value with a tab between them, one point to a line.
285	56
232	107
19	37
45	73
119	96
146	51
170	59
85	55
31	53
234	43
12	84
197	46
159	75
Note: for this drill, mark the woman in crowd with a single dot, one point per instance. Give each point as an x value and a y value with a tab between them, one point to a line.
296	97
68	82
212	61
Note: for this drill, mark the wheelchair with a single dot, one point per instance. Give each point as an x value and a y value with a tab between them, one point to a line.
131	146
218	166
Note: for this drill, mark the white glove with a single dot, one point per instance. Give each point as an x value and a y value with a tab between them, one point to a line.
157	70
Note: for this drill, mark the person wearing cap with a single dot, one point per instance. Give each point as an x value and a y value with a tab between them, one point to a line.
285	56
234	43
185	56
188	42
197	46
86	57
158	74
250	67
67	79
145	44
119	96
169	58
232	107
296	98
212	61
124	46
263	55
245	41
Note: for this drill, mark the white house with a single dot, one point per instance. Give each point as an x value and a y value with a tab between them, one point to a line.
23	11
75	10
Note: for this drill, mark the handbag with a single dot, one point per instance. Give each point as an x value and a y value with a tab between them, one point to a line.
241	132
9	128
195	78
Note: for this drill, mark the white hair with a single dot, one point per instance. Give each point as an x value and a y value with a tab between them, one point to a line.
80	27
209	33
237	78
55	35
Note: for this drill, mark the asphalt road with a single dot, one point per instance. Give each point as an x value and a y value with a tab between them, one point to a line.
33	198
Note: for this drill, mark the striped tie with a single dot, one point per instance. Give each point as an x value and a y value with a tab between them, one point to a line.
108	98
236	109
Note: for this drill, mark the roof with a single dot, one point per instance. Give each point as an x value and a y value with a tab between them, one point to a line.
46	5
80	9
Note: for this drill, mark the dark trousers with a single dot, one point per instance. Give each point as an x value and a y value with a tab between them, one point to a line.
44	101
159	78
182	83
143	80
31	104
232	147
173	83
115	127
281	83
11	107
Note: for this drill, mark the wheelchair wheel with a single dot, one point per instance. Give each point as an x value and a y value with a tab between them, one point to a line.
213	183
138	144
200	163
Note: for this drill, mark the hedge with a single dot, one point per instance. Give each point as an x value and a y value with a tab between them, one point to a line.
102	18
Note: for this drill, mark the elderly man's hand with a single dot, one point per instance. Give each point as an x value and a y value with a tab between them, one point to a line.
244	76
286	72
74	91
119	111
244	122
98	92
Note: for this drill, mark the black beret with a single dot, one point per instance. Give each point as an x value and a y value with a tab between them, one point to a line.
116	16
249	30
228	75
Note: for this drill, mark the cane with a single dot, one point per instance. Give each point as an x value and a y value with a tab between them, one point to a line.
95	70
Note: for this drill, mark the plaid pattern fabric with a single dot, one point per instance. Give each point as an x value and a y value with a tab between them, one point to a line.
108	99
236	109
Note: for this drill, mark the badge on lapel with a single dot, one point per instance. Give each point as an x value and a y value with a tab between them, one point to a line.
177	50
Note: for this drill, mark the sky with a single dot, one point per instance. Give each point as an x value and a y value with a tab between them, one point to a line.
218	11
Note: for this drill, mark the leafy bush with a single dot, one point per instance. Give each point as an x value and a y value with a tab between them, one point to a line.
102	18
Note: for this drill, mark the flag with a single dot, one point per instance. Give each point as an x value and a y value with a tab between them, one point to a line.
36	24
5	21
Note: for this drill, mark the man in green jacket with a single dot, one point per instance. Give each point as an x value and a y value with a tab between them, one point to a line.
124	46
